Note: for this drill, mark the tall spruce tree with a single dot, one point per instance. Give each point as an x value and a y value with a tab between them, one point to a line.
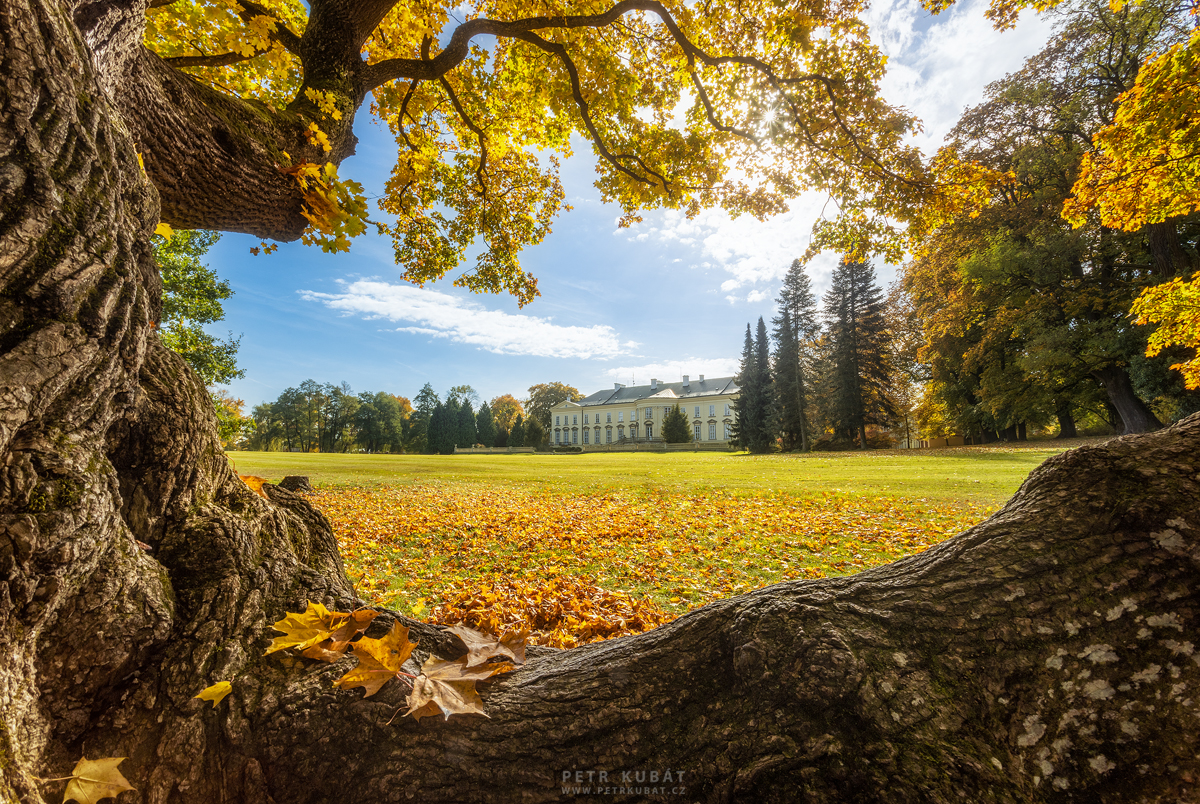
485	426
796	328
754	405
465	434
516	436
860	346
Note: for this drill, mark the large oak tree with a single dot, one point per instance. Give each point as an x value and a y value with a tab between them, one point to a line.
1044	654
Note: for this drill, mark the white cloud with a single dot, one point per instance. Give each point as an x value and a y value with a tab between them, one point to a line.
938	72
673	371
464	321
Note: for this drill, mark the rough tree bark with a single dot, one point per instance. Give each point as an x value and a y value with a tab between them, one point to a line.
1046	654
1135	416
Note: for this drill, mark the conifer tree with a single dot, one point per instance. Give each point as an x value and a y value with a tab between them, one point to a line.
440	438
860	346
465	435
754	404
516	436
796	328
485	425
675	427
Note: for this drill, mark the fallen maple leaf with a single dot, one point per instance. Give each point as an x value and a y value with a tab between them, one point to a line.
482	647
448	687
95	779
255	483
216	693
318	624
379	660
334	648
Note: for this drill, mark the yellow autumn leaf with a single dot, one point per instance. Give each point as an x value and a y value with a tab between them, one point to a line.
96	779
216	693
162	229
302	630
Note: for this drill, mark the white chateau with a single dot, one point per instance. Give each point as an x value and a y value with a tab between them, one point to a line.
636	413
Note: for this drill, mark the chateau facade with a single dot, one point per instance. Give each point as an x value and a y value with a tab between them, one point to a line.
637	412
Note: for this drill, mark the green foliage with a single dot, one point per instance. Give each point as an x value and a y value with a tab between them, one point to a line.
796	330
535	434
544	396
465	433
516	436
192	296
860	351
755	404
485	426
675	427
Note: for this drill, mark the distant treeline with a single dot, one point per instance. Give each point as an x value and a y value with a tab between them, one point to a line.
315	417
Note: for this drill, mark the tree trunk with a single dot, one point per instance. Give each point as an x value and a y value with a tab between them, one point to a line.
1042	655
1010	433
1022	433
1066	421
1135	417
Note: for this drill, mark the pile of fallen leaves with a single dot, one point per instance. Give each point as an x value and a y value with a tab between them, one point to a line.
576	567
560	611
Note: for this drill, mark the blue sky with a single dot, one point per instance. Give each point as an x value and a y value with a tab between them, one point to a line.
665	298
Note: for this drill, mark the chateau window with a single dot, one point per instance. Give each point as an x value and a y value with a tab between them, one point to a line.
696	430
556	421
728	410
728	434
697	410
585	432
574	436
712	410
607	435
608	417
585	421
649	413
556	437
649	431
621	416
712	432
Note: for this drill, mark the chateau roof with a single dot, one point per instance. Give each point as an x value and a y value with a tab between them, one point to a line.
667	391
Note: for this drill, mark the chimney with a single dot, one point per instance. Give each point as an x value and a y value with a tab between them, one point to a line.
617	386
653	385
701	378
685	381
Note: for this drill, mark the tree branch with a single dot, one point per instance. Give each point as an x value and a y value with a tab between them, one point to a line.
462	114
585	112
219	60
457	48
282	34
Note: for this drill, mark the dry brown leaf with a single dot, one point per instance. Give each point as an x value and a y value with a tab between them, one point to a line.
379	660
448	688
482	647
96	779
255	483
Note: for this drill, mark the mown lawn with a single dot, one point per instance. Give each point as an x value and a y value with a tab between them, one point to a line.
582	547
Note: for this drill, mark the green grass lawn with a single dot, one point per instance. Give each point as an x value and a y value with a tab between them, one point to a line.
981	475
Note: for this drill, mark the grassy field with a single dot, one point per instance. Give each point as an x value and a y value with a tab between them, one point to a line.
963	474
583	547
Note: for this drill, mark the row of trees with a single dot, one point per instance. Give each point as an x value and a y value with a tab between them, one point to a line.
315	417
